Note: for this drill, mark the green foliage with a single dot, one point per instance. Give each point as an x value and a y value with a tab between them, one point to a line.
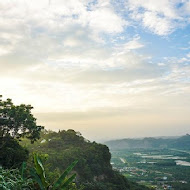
18	121
15	179
38	173
12	154
23	169
165	163
12	180
93	169
62	182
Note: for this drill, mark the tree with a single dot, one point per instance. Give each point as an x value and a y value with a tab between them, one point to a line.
11	153
17	121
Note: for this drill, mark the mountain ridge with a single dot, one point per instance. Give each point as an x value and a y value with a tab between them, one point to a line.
181	142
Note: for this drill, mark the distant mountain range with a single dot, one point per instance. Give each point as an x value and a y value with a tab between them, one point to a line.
182	142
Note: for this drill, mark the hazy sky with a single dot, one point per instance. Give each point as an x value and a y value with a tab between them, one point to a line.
109	69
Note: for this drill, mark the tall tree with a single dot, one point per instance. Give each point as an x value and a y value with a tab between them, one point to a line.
17	121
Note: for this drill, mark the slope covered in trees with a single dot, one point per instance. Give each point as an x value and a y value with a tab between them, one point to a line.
54	151
93	169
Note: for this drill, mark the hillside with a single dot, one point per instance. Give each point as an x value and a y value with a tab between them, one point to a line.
93	169
146	143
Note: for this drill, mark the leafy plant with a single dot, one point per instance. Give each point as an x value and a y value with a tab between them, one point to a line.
23	169
39	176
13	180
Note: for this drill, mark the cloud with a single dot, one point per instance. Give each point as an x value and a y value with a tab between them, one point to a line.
160	17
157	24
104	20
133	44
81	59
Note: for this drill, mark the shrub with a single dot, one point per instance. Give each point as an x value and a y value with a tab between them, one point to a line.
12	154
13	180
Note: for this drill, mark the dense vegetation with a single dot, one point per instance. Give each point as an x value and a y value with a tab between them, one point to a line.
11	179
51	159
11	153
93	169
16	122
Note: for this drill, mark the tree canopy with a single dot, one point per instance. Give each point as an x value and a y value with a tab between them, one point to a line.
17	121
94	171
11	153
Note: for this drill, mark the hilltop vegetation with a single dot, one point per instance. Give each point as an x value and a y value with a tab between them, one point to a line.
93	169
19	134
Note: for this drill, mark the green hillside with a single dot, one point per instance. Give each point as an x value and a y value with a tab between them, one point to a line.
93	169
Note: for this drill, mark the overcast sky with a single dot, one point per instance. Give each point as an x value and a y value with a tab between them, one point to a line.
109	69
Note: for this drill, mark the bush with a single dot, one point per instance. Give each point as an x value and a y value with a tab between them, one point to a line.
12	154
12	180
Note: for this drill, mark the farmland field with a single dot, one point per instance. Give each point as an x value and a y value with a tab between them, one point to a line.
157	168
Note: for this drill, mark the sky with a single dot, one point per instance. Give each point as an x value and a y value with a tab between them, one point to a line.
107	68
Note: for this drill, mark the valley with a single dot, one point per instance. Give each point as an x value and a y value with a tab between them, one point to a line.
156	168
